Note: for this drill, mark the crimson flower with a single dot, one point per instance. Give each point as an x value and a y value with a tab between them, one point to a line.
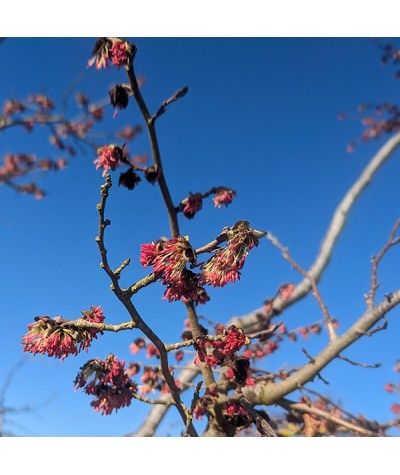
225	265
50	336
120	53
216	352
169	259
117	51
191	205
223	196
108	381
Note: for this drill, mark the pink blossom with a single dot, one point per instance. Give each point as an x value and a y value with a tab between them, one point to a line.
109	158
137	345
151	351
389	387
395	408
50	336
286	291
225	265
169	260
108	381
119	53
223	196
191	205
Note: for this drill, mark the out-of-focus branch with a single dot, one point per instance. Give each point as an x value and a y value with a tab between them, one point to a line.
307	275
269	393
302	407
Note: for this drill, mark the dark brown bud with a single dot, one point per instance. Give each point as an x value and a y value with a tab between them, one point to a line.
129	179
119	96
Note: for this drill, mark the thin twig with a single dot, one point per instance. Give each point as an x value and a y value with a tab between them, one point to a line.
307	275
302	407
355	363
178	94
392	241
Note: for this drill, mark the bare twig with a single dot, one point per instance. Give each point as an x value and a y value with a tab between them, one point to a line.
392	241
178	94
307	275
355	363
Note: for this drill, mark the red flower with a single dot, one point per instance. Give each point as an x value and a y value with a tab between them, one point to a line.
108	381
119	53
50	336
223	196
395	408
169	259
225	265
137	345
191	205
389	387
109	158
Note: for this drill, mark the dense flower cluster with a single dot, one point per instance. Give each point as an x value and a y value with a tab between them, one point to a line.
109	157
223	196
108	381
50	336
169	259
115	50
215	352
225	265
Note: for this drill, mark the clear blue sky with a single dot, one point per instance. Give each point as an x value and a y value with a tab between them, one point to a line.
261	116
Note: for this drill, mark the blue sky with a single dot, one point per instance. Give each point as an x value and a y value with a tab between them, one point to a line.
261	116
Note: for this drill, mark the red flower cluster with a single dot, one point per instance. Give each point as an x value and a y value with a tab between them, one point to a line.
215	352
225	265
49	336
109	158
118	51
223	196
108	381
169	259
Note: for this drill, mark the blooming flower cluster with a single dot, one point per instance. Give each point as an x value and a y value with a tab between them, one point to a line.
108	381
169	259
216	352
115	50
223	196
225	265
52	337
109	157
